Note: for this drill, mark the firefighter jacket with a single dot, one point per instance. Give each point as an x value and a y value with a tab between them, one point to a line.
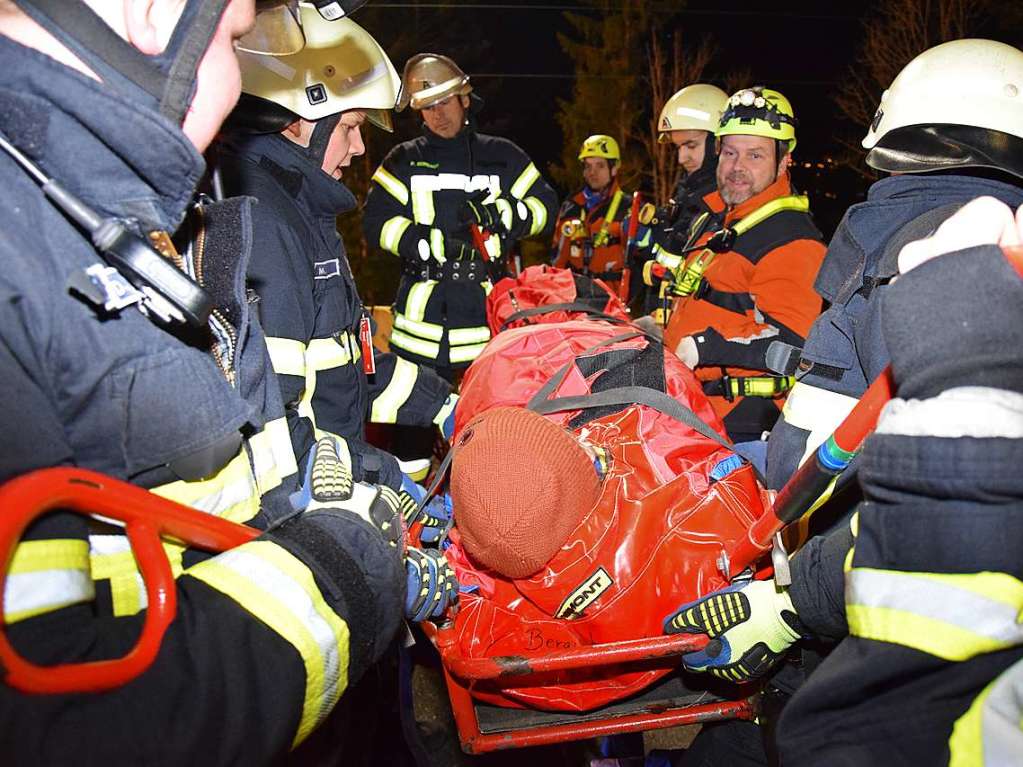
929	581
670	231
268	635
758	291
415	200
590	234
844	350
310	308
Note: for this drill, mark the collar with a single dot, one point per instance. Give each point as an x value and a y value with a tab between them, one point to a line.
315	191
123	159
459	138
592	200
781	187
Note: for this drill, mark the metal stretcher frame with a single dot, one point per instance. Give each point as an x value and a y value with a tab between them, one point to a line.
460	672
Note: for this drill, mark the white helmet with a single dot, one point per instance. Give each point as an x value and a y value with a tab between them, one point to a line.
957	105
695	107
340	68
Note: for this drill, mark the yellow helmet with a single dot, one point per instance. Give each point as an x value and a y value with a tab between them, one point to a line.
695	107
759	111
600	145
340	68
428	79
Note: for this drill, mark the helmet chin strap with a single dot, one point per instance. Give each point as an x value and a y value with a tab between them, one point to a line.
320	137
165	81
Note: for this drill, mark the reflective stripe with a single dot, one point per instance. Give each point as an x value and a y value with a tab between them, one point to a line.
422	205
465	353
666	259
232	493
462	336
437	245
524	181
422	348
990	733
391	233
817	411
952	616
507	215
395	188
798	202
445	409
426	330
280	591
539	212
418	295
330	353
45	576
273	455
112	559
286	355
396	393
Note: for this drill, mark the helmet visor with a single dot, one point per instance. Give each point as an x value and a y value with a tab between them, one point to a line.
278	30
380	118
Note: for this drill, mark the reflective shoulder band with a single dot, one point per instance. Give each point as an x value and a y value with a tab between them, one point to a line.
45	576
524	181
280	591
953	616
798	203
394	187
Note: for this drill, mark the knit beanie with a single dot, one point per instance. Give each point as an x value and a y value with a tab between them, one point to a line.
520	485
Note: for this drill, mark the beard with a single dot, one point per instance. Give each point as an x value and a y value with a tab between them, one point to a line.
735	195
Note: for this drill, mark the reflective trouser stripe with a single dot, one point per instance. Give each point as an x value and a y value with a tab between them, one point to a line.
817	411
422	206
418	296
524	181
396	393
280	591
113	559
426	330
426	349
465	353
392	184
46	575
952	616
539	214
990	733
391	233
666	259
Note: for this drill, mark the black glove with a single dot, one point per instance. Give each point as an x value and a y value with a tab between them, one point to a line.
459	250
487	216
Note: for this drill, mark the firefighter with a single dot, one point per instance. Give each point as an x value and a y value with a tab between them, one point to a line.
290	150
748	278
688	121
110	375
943	327
590	233
424	198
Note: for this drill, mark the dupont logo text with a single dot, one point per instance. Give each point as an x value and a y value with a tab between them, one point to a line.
586	594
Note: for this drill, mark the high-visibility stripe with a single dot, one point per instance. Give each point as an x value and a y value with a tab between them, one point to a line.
953	616
45	576
396	393
391	233
273	455
418	295
487	286
279	590
817	411
465	353
462	336
797	202
990	733
422	205
493	245
539	211
524	181
445	409
286	355
666	259
330	353
437	245
426	330
232	493
422	348
113	559
505	210
392	184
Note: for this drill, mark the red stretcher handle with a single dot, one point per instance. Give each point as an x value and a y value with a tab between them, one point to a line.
479	241
147	518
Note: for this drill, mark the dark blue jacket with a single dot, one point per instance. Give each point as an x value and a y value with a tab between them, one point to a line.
112	392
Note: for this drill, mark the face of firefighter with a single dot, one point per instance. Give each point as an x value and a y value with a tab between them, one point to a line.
747	165
691	146
345	143
446	118
149	25
597	173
